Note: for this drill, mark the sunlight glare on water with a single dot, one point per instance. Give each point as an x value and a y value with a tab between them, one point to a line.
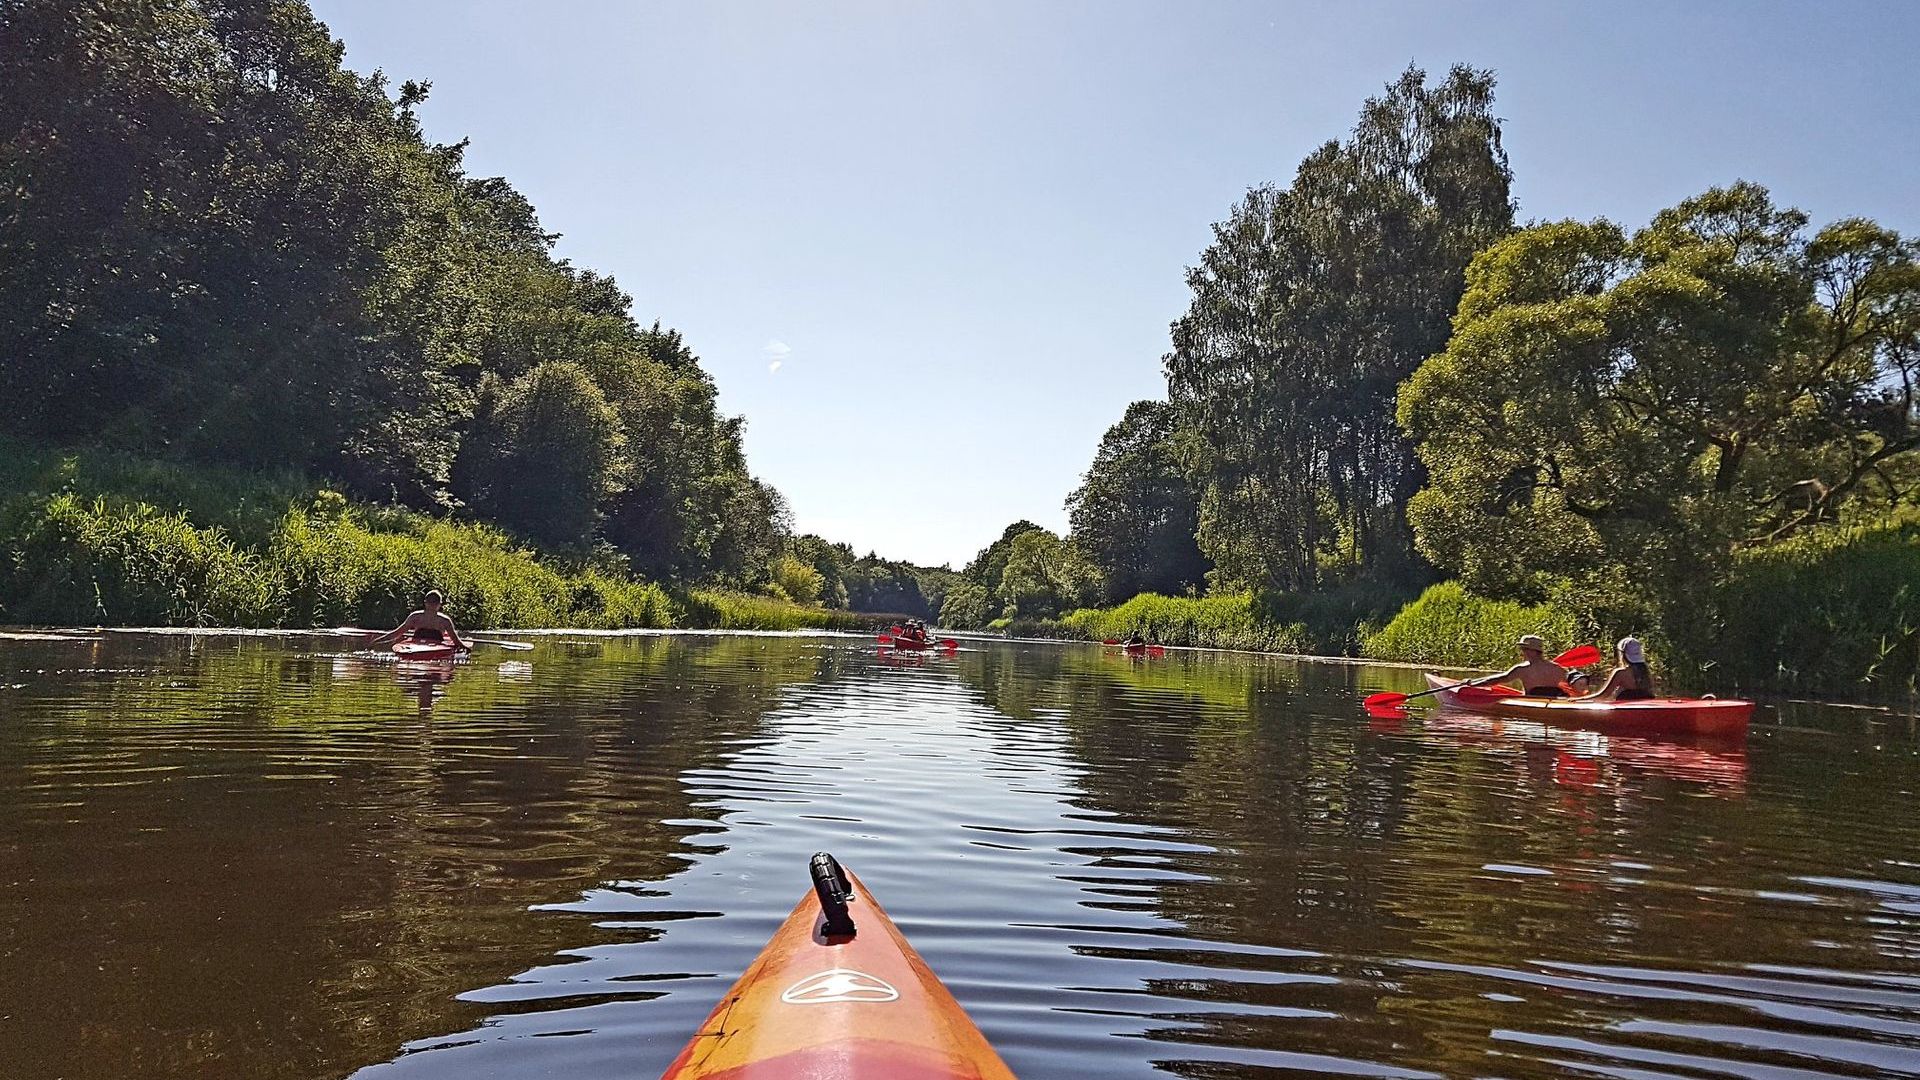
263	857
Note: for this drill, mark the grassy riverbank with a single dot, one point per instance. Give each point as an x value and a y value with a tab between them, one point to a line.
1837	613
108	540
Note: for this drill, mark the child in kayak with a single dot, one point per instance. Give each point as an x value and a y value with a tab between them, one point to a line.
1537	675
428	625
1631	681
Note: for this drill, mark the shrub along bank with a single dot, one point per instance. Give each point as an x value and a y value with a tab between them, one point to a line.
1449	626
1329	623
219	552
1836	612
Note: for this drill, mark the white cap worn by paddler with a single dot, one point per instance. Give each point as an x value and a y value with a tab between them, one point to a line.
1631	651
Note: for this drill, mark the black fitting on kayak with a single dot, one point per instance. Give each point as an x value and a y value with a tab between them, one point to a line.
835	891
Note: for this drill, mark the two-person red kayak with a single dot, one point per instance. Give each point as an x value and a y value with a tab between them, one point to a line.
1664	716
838	994
914	639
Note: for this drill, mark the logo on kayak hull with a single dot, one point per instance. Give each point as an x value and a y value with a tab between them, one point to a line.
837	985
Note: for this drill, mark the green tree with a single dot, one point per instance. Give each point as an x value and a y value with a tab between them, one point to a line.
545	455
881	585
1134	515
796	579
690	507
198	194
1311	306
1616	417
1045	576
830	561
968	606
987	567
936	583
220	245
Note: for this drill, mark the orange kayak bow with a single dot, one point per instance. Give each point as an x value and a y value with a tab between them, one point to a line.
838	994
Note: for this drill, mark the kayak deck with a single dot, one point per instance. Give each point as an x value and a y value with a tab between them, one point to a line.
823	1003
423	650
1686	716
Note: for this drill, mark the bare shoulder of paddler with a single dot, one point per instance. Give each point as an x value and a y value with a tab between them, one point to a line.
413	621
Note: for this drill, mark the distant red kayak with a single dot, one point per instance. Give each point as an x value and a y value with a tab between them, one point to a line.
1671	716
838	994
423	650
899	641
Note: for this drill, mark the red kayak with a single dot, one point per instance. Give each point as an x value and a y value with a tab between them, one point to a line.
423	650
838	994
1665	716
900	641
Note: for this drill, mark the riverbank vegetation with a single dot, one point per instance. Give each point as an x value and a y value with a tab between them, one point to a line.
220	550
272	358
1704	431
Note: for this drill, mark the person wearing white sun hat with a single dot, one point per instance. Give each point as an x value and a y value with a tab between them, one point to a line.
1631	681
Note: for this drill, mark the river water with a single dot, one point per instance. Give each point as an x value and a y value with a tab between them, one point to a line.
265	857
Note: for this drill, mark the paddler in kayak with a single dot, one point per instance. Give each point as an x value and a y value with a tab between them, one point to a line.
1537	675
428	624
1631	681
915	631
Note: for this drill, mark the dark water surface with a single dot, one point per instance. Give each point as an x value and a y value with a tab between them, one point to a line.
262	858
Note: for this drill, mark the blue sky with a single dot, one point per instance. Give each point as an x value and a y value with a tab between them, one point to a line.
930	251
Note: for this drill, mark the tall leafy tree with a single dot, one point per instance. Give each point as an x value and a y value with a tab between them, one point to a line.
1309	308
546	455
1045	576
988	566
222	245
1134	514
1617	416
199	194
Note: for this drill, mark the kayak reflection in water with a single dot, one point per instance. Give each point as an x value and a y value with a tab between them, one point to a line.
428	624
1537	675
1631	681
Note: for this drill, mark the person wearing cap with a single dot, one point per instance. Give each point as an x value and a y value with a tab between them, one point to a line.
1631	681
1537	675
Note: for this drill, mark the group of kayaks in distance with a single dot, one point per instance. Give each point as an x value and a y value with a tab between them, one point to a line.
1550	690
839	994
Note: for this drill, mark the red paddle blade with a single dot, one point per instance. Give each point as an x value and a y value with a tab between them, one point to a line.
884	639
1386	699
1578	656
1110	641
949	643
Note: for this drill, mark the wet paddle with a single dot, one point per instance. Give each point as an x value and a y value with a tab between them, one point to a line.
511	646
1578	656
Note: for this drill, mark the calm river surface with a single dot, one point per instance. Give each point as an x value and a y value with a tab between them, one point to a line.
262	857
